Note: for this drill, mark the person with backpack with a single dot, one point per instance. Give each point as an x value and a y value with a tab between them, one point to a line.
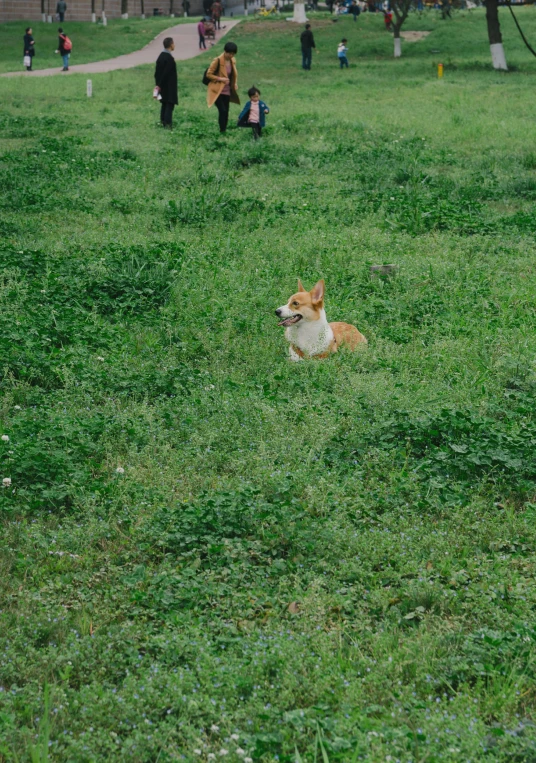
29	48
165	77
64	48
221	78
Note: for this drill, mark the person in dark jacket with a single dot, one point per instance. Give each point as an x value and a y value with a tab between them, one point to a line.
307	45
29	46
165	77
61	7
355	10
254	113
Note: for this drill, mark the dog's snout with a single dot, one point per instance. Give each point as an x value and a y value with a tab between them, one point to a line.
278	312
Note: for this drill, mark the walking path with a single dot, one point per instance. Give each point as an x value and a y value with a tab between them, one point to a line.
186	46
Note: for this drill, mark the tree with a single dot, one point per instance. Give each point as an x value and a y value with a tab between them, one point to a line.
401	9
494	34
124	9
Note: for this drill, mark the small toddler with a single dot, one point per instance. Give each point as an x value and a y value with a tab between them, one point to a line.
254	112
342	50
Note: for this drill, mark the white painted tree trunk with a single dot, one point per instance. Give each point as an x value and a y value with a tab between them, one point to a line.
124	15
299	13
104	19
497	56
49	19
143	15
44	18
398	47
93	18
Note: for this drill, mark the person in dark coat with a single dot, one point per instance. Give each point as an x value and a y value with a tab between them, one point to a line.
29	46
307	45
165	77
61	7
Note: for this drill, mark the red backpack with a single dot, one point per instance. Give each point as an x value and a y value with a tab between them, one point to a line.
67	44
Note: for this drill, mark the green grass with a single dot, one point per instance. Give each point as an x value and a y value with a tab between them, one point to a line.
91	42
330	560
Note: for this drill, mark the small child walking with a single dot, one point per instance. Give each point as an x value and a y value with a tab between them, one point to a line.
201	31
254	112
342	50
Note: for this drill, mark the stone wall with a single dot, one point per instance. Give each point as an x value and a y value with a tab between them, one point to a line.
80	10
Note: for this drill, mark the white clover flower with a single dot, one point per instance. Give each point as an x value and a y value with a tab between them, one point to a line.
240	751
214	728
211	756
223	751
99	357
120	470
6	482
248	760
235	737
197	751
17	407
5	438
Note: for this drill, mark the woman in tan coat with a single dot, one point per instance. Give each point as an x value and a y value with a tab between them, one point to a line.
222	88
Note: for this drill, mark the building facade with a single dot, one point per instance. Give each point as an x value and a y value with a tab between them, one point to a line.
81	10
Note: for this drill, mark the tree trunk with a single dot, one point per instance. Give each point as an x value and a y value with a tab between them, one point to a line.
299	13
494	34
142	5
397	40
124	9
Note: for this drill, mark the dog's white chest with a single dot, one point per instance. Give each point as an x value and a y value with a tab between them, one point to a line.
311	337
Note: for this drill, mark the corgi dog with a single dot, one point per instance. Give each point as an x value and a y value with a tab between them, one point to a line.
307	329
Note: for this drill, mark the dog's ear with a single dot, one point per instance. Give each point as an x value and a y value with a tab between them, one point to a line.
317	292
300	285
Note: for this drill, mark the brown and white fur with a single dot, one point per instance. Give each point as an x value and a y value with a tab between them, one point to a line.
307	329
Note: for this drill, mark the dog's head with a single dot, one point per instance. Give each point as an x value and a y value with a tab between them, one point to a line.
302	306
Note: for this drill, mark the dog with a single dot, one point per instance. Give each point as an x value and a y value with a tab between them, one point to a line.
307	329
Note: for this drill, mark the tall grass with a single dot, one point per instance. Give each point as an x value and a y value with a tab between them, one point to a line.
206	548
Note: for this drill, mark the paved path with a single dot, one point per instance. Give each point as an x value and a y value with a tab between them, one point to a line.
186	46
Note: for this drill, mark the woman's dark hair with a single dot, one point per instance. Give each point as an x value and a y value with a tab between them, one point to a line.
60	30
28	29
253	91
231	47
168	42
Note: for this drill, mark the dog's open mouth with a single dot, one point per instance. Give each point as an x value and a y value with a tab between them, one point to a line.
290	321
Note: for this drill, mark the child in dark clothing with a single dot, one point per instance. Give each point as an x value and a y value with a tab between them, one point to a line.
254	112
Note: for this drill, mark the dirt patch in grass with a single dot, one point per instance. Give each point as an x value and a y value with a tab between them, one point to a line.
278	26
413	36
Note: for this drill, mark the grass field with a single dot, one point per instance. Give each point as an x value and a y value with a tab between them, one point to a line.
208	551
91	42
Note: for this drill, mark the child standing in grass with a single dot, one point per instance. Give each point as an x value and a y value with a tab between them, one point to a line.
254	112
342	50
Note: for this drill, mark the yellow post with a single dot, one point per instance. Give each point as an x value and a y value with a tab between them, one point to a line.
440	71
